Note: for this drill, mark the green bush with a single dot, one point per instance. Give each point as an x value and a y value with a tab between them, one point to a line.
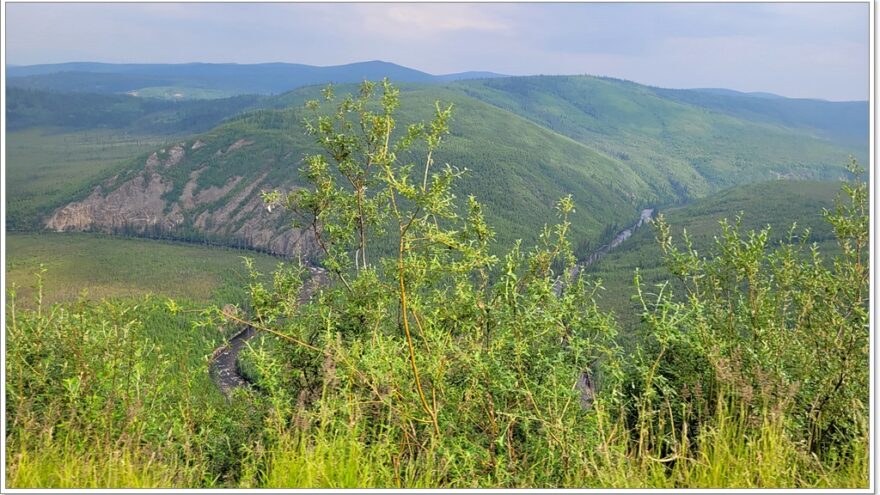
779	330
117	394
467	370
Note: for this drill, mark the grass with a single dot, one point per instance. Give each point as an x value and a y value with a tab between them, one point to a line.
45	167
731	456
107	266
67	467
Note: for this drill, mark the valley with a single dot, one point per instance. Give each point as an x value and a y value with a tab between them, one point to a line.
102	266
619	147
169	327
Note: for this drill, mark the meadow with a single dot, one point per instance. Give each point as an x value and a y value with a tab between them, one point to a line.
104	266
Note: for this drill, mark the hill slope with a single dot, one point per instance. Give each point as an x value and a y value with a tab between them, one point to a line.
209	185
27	108
845	122
778	204
683	149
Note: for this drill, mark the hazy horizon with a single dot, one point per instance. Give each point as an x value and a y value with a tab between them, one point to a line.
811	50
757	92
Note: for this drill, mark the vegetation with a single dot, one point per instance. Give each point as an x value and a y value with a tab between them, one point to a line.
524	157
686	144
755	206
178	93
445	364
616	147
116	394
107	267
841	121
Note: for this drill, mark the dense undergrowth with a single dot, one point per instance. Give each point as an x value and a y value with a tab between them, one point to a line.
446	366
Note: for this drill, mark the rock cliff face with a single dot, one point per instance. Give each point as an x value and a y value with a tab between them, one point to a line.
147	202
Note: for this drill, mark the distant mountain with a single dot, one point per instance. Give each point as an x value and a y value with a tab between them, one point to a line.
731	92
200	80
846	121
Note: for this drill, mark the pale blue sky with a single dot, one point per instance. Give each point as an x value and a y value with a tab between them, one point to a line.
799	50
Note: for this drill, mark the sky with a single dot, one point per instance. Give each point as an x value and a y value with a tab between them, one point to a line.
804	50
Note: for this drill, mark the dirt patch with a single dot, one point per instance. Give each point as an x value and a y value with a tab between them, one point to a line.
241	143
175	155
153	161
186	197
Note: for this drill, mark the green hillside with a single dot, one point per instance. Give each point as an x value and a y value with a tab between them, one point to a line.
682	150
27	108
845	121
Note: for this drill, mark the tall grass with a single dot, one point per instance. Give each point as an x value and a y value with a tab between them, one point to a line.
116	394
732	450
728	452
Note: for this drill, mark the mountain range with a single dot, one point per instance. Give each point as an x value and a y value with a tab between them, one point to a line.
206	80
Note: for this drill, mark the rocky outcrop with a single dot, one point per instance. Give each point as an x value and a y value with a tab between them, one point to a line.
147	204
137	204
175	155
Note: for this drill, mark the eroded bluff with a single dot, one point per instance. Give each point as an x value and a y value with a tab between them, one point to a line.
146	202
